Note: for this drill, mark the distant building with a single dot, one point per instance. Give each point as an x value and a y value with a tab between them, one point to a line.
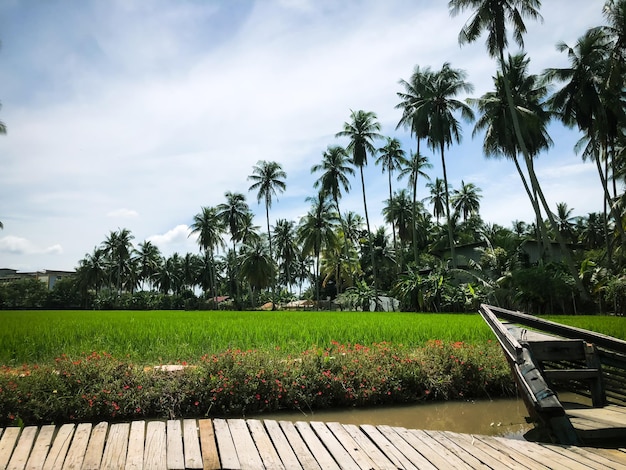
48	277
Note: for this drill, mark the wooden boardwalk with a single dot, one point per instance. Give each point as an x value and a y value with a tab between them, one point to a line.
256	444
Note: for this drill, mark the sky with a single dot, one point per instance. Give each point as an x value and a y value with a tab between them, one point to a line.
135	114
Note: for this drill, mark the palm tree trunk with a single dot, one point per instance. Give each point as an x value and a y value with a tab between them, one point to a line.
269	238
393	225
445	182
535	184
369	237
413	214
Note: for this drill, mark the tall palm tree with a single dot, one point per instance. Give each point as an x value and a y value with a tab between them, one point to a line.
362	130
495	120
440	105
233	214
148	257
565	221
118	248
209	227
414	169
493	16
92	269
286	247
391	157
413	117
257	266
437	198
466	201
399	212
317	231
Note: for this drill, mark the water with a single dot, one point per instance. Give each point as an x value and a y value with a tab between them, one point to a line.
502	417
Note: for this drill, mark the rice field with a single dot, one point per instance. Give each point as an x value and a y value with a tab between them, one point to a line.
29	337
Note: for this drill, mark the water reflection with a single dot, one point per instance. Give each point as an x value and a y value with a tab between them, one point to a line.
504	417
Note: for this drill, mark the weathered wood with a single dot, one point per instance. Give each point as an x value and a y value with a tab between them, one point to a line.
136	444
175	456
22	449
191	444
41	447
95	448
378	457
452	444
362	459
523	460
391	451
571	374
409	452
557	349
509	344
263	443
322	455
7	444
291	448
437	454
339	453
61	444
76	452
244	444
155	451
114	457
225	445
210	457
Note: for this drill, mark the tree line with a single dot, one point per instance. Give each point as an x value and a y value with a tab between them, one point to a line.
421	257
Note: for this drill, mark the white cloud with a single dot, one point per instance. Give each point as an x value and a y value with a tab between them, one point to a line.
18	245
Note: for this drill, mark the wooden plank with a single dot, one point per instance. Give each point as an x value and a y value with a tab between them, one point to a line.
434	451
225	445
136	443
336	449
191	444
247	452
392	453
61	444
493	457
114	456
292	449
210	457
598	458
352	447
22	449
155	451
76	453
577	460
523	460
7	444
95	448
365	443
175	456
414	456
40	450
323	457
447	441
263	443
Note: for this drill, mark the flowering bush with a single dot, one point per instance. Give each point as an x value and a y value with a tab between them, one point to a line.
235	383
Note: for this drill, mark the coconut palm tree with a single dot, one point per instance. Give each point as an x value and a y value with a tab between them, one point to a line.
286	247
118	248
399	212
209	227
362	130
92	270
437	197
148	258
466	201
234	213
413	116
391	158
317	231
440	105
495	120
257	266
566	222
414	168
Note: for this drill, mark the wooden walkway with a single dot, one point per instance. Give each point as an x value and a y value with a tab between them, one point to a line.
255	444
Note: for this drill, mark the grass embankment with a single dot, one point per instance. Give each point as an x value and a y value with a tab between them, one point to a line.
239	363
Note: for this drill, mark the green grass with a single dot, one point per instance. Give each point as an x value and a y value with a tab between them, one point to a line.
170	336
607	325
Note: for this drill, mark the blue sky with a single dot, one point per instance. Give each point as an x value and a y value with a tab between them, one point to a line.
135	114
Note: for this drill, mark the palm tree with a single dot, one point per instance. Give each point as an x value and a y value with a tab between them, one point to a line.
362	130
209	226
118	247
257	266
334	178
493	16
399	212
495	120
92	269
565	221
440	105
391	158
234	213
3	127
413	116
286	247
148	257
414	169
466	201
317	231
437	197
